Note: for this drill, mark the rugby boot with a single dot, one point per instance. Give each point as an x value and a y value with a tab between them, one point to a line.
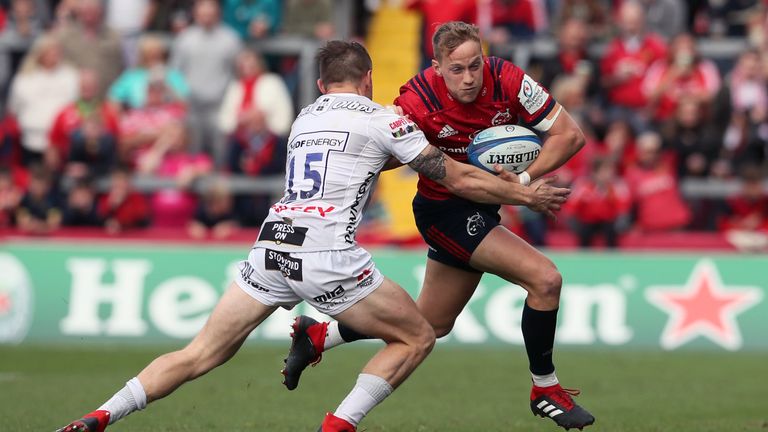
335	424
96	421
556	403
308	337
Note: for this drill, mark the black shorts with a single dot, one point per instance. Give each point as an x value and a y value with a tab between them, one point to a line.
453	228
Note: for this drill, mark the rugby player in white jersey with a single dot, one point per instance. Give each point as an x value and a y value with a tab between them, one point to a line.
306	250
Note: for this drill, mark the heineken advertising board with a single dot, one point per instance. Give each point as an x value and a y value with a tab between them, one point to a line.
70	292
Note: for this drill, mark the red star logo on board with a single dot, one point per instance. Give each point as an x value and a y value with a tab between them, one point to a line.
704	306
5	303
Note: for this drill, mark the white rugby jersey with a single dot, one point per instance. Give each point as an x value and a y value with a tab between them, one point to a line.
336	149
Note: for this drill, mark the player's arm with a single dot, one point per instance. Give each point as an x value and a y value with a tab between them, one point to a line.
565	138
476	185
538	109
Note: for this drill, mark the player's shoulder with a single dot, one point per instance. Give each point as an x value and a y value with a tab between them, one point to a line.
342	103
422	94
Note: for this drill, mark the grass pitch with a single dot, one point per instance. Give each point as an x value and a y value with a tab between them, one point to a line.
468	390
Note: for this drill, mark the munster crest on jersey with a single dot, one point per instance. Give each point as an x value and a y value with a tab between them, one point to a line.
501	117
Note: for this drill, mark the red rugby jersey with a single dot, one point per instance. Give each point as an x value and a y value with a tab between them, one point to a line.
508	96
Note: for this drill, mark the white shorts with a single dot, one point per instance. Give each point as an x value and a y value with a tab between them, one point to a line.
330	281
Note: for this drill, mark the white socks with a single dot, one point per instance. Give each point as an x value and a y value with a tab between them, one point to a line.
129	399
547	380
369	391
332	336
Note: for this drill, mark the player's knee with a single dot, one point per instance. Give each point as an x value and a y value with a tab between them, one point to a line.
425	341
548	284
442	329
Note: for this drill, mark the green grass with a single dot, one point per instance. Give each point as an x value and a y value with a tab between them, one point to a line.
455	390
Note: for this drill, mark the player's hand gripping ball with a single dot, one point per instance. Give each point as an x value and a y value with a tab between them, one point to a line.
511	146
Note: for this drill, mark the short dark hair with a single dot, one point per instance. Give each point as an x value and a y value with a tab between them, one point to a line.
342	61
450	35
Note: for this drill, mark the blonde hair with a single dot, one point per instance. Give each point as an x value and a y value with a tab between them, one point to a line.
450	35
31	61
151	42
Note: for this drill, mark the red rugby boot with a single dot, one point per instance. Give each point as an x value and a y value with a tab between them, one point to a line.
96	421
335	424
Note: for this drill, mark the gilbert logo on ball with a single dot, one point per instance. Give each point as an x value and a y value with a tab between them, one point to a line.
15	300
511	146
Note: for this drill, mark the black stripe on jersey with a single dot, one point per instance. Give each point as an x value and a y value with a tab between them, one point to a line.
415	88
422	80
544	113
500	63
496	63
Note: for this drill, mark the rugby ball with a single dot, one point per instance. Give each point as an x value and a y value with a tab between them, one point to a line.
511	146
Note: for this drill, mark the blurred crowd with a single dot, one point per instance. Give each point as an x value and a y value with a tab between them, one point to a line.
95	92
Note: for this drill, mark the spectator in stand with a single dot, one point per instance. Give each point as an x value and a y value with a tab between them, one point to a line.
514	19
727	18
42	88
257	111
205	53
594	13
625	63
122	208
21	28
599	204
10	197
252	19
68	124
171	16
65	12
140	128
93	150
80	210
682	74
572	58
666	17
130	89
89	44
40	209
747	83
10	142
309	18
745	222
169	158
746	135
692	138
129	18
619	145
653	185
436	12
571	92
215	214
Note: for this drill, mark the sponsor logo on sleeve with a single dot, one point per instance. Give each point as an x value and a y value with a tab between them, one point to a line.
532	96
402	127
283	262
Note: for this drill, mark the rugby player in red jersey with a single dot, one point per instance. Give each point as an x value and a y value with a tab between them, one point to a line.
463	93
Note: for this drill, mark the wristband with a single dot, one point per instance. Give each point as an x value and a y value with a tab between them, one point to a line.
524	178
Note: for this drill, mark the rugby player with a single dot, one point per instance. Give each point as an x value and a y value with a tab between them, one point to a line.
463	93
306	250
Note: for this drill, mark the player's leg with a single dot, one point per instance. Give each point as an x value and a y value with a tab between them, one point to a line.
445	293
503	253
390	314
231	321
